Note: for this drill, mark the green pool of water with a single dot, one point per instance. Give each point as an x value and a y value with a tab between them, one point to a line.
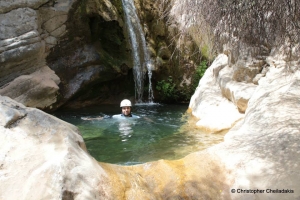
160	133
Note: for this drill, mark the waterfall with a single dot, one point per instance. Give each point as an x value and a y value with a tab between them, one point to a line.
141	57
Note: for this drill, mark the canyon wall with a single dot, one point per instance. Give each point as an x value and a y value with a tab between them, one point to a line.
68	52
76	53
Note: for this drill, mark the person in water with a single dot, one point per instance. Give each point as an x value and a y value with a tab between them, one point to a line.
126	110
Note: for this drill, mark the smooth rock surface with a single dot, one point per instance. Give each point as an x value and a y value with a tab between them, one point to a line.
237	92
42	157
214	111
263	150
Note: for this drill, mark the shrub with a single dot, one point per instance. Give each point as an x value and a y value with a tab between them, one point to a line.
167	90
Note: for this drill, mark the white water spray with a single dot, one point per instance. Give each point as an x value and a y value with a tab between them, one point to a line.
141	58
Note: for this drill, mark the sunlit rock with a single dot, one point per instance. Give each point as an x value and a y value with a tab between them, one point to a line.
237	92
42	157
262	150
214	111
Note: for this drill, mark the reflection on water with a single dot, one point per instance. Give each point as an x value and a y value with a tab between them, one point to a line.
162	132
125	128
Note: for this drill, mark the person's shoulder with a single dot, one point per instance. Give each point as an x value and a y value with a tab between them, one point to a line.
118	116
134	116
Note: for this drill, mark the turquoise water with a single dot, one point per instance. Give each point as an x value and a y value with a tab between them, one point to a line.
160	133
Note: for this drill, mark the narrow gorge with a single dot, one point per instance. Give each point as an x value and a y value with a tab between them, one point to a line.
70	54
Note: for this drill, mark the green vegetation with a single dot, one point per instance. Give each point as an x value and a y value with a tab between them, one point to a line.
200	71
169	91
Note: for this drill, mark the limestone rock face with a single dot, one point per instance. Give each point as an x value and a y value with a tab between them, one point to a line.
42	157
263	149
28	30
7	5
173	54
22	49
221	100
214	111
38	90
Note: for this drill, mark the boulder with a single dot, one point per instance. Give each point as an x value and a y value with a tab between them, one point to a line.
42	157
38	90
214	111
262	151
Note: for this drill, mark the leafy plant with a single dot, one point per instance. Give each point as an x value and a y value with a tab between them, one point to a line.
167	89
200	70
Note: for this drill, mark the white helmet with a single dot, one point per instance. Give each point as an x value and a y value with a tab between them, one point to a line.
125	102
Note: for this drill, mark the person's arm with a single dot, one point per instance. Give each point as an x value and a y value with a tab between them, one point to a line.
92	118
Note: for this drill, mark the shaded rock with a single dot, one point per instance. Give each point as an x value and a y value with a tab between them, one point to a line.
106	9
94	50
21	47
245	71
38	89
28	30
6	5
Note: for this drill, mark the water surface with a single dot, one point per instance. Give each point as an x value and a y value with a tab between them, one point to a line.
161	132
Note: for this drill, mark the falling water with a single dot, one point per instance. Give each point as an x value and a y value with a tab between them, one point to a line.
141	58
